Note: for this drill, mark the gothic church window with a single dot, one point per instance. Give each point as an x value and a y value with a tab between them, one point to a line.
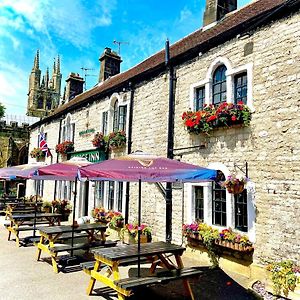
40	103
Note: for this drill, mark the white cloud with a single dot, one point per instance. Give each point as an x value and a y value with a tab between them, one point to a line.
13	82
70	20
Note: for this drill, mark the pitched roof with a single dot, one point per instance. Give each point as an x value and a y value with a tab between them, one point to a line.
255	13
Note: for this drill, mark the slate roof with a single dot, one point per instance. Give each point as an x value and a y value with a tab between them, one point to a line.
237	22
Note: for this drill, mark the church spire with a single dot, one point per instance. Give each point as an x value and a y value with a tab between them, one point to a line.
36	64
54	66
58	65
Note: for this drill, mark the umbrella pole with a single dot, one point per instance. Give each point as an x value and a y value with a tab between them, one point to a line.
73	219
35	209
139	226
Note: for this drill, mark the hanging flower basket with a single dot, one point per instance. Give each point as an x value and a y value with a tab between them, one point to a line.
234	185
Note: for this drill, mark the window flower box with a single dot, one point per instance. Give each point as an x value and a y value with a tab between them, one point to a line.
203	235
213	117
99	141
64	148
117	140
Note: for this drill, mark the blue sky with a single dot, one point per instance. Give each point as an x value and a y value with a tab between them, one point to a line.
79	30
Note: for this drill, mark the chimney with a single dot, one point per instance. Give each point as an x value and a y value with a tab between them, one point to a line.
74	86
110	63
215	10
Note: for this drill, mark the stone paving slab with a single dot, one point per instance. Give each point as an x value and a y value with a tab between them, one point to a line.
22	277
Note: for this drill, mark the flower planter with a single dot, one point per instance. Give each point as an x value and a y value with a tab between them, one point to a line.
236	189
196	240
130	239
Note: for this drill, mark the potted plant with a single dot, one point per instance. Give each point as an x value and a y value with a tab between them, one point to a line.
284	275
101	215
64	147
211	117
234	185
62	207
99	141
117	139
117	221
129	234
47	206
37	153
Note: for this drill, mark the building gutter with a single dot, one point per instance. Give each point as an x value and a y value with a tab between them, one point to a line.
129	148
170	143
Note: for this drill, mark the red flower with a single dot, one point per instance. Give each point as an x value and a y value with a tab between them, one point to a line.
211	118
189	123
233	118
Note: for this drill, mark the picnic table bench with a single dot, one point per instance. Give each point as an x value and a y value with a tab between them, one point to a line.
29	222
94	235
159	253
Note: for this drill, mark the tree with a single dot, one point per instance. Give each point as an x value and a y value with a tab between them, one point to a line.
2	110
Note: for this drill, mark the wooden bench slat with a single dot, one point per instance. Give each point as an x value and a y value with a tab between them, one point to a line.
81	246
89	265
160	277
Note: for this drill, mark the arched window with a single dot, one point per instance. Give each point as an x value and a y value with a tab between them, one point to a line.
219	85
49	104
40	103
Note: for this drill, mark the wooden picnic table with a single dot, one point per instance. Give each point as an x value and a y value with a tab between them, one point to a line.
159	253
94	235
30	220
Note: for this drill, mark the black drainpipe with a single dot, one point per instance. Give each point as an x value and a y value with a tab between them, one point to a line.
129	148
59	137
170	145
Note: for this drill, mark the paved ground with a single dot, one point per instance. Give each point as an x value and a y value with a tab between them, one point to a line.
22	278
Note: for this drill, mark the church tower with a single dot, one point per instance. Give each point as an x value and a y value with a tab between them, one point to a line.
44	93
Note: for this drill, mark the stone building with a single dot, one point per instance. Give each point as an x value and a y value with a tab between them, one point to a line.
44	93
249	55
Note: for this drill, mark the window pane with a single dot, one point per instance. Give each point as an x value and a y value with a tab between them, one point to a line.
122	118
104	122
219	202
116	117
219	85
200	98
240	88
241	213
111	192
99	193
199	200
120	196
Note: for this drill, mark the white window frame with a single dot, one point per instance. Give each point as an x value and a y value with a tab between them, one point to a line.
230	74
207	205
68	126
122	101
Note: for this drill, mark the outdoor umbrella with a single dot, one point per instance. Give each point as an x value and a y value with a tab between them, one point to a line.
25	171
142	167
21	171
66	170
